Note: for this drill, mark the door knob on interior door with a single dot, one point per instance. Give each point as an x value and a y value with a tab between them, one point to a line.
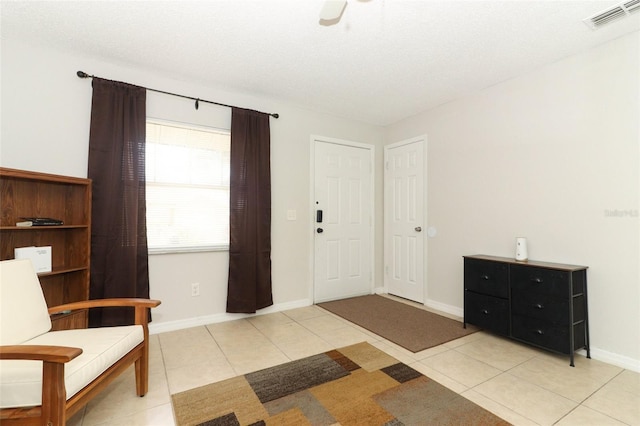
319	230
418	229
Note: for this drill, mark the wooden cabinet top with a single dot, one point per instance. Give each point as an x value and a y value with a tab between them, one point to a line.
46	177
27	194
533	263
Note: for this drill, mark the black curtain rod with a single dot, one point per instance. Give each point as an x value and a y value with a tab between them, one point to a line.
83	74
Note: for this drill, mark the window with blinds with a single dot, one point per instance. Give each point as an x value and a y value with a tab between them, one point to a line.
187	172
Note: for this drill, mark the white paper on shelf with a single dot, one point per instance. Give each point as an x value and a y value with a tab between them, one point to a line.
40	257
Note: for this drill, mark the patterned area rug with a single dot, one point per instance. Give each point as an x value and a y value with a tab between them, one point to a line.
354	385
412	328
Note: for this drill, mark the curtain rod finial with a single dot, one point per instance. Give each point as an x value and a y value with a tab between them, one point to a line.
82	74
275	115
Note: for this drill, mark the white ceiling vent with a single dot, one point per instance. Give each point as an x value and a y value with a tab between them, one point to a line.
611	14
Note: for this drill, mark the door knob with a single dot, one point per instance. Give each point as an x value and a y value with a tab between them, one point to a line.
418	229
319	230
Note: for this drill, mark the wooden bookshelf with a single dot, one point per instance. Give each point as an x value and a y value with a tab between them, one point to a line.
32	194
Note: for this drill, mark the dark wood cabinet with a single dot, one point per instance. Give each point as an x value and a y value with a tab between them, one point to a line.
32	194
540	303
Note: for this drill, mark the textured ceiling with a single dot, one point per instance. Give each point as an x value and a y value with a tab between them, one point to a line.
384	61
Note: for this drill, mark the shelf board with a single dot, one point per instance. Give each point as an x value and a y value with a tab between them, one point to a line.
64	270
40	228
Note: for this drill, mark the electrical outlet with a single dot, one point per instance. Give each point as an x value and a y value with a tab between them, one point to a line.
195	289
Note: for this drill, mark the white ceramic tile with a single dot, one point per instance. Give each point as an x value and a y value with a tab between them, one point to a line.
304	347
554	373
240	339
465	339
444	380
119	399
195	375
461	368
373	337
430	352
395	351
323	323
261	321
256	358
176	356
286	332
585	416
229	329
497	352
301	314
345	336
526	399
620	398
156	416
184	337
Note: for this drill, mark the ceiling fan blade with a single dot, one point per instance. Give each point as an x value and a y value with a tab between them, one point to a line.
332	9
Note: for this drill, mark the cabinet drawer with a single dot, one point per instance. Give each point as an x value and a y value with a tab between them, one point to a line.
540	306
547	335
532	280
548	308
487	312
486	277
541	333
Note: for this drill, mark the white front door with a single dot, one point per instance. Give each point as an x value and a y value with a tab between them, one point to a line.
404	219
343	219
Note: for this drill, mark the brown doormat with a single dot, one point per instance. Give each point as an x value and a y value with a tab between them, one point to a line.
410	327
354	385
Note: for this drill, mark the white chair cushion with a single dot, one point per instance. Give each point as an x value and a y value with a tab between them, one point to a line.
21	381
23	310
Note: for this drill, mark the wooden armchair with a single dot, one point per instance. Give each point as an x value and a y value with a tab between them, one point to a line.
47	376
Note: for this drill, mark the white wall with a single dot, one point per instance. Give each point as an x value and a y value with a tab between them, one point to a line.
45	127
544	156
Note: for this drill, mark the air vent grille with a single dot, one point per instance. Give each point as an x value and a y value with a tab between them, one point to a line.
615	12
632	5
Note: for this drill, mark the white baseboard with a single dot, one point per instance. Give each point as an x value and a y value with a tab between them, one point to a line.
162	327
613	359
442	307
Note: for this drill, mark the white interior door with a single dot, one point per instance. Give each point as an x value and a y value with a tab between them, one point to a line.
343	219
404	219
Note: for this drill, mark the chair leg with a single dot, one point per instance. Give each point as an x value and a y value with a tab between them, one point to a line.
142	371
54	394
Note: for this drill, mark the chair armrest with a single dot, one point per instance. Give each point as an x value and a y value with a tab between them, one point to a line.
103	303
141	306
57	354
54	393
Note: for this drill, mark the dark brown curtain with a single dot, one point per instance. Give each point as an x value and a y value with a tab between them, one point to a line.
119	257
249	286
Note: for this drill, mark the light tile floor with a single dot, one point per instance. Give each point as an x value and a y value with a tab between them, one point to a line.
521	384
